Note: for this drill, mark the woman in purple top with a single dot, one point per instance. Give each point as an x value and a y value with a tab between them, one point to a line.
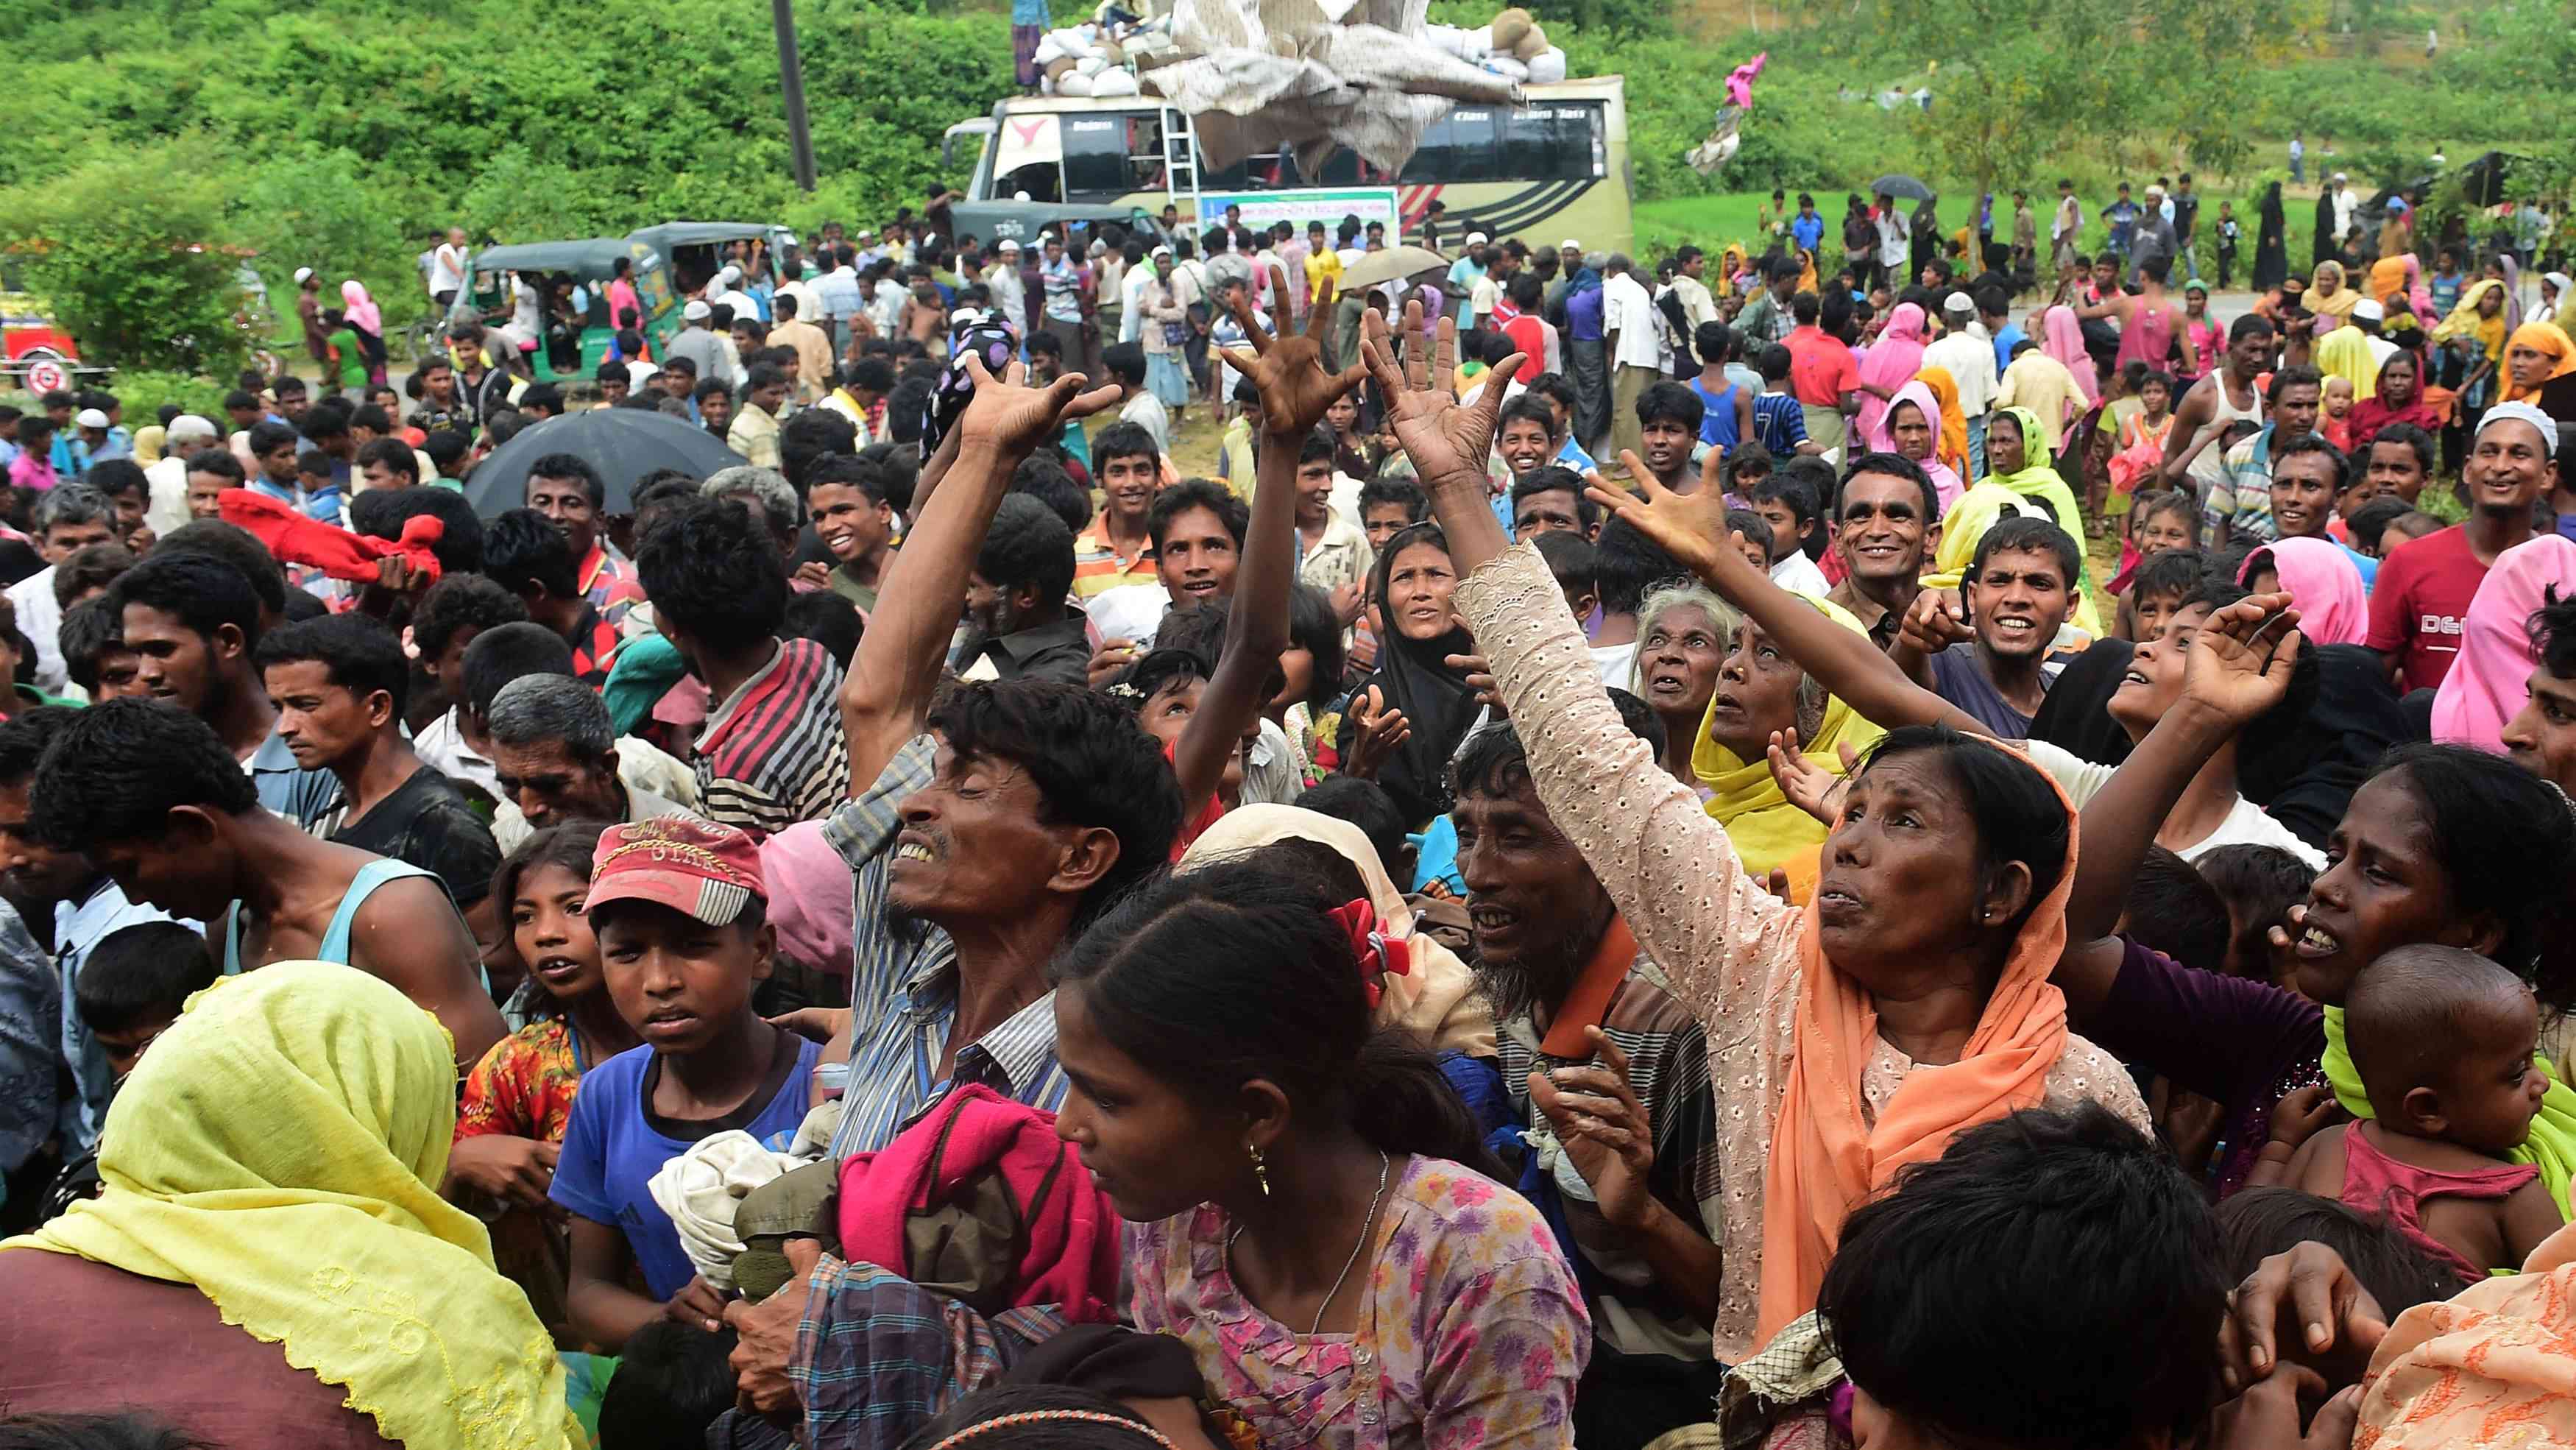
2442	844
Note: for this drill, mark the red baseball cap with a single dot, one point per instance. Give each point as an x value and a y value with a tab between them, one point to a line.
695	868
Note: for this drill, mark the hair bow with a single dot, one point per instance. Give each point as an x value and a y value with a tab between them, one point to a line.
1379	954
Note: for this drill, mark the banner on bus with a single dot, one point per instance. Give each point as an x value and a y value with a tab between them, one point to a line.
1264	209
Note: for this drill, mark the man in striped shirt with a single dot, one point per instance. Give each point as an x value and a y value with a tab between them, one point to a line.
979	836
1595	1049
771	753
1118	547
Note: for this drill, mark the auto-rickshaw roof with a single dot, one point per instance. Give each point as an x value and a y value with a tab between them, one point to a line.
593	259
690	234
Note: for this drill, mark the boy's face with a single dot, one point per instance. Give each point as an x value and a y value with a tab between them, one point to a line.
1197	558
1314	490
850	524
1525	445
125	1049
2156	396
2105	273
2393	468
1665	445
1127	482
1383	522
1555	508
1787	533
2152	611
1755	552
680	983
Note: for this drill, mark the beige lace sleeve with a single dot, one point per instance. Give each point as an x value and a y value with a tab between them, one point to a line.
1721	938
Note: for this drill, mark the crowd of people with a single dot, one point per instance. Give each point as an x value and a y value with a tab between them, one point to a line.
1706	854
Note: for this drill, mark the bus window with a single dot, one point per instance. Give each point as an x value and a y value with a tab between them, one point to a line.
1475	144
1095	158
1145	152
1550	143
1040	179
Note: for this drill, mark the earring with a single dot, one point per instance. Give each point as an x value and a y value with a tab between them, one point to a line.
1260	1171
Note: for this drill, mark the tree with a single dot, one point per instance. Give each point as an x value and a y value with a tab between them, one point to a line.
128	250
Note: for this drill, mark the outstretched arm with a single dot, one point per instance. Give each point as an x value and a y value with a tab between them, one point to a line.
1295	390
1692	528
887	691
2239	667
1669	868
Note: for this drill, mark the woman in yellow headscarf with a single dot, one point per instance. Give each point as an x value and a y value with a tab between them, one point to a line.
270	1252
2477	326
2018	480
1760	691
2536	353
1953	444
2327	296
2345	353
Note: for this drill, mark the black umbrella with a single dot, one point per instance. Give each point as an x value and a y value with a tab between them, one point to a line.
624	444
1897	184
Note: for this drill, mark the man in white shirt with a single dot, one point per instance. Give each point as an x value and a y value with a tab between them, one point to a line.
1690	264
1486	296
69	517
1008	293
1893	240
1628	332
167	480
2346	202
1131	291
1968	353
1469	269
447	268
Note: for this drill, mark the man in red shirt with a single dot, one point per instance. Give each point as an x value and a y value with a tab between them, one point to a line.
2424	588
1822	371
1518	316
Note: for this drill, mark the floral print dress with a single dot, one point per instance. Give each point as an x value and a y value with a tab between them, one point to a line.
1472	1334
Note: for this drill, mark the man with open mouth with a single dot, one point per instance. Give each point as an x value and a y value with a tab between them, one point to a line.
1998	662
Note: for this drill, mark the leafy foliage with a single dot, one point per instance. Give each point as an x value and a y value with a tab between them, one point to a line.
122	248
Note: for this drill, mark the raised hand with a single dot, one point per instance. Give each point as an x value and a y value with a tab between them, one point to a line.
1447	443
1011	418
1377	730
1689	526
1605	1129
1480	678
1809	786
1934	623
1288	367
2239	666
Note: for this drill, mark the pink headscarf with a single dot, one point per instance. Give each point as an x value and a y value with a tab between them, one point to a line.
2323	582
2062	337
1891	362
360	308
1881	439
2419	298
2485	686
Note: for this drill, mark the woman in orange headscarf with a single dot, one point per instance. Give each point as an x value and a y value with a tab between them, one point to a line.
2534	354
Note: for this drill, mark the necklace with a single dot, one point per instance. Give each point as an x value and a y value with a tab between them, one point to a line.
1384	1163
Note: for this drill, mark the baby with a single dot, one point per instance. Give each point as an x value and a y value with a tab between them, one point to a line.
2336	427
2444	1040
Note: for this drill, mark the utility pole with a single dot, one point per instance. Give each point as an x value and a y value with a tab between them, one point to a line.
791	91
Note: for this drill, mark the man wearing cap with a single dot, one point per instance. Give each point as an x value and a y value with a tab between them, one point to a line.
1967	352
682	913
94	441
2152	239
1468	270
2369	315
187	436
2420	601
699	344
1009	294
308	310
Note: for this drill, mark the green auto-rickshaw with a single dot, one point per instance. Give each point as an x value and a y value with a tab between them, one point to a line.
560	319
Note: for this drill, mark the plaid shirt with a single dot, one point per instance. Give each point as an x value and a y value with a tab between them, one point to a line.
877	1356
2244	501
1668	1066
903	987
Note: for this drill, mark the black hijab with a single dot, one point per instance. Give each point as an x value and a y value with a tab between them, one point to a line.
2075	714
1413	676
2330	735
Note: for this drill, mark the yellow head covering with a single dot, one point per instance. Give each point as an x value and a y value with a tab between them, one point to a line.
2464	321
1999	494
2545	338
1767	830
279	1148
2345	353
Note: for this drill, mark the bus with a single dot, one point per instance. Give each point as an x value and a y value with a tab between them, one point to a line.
1553	167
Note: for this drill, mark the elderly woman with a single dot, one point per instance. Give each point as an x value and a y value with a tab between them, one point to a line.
1684	633
270	1257
1849	1038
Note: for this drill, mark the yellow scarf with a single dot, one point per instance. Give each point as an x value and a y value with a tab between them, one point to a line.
2552	1144
279	1148
1766	828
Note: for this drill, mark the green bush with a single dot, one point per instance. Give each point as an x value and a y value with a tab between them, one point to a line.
142	391
129	252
